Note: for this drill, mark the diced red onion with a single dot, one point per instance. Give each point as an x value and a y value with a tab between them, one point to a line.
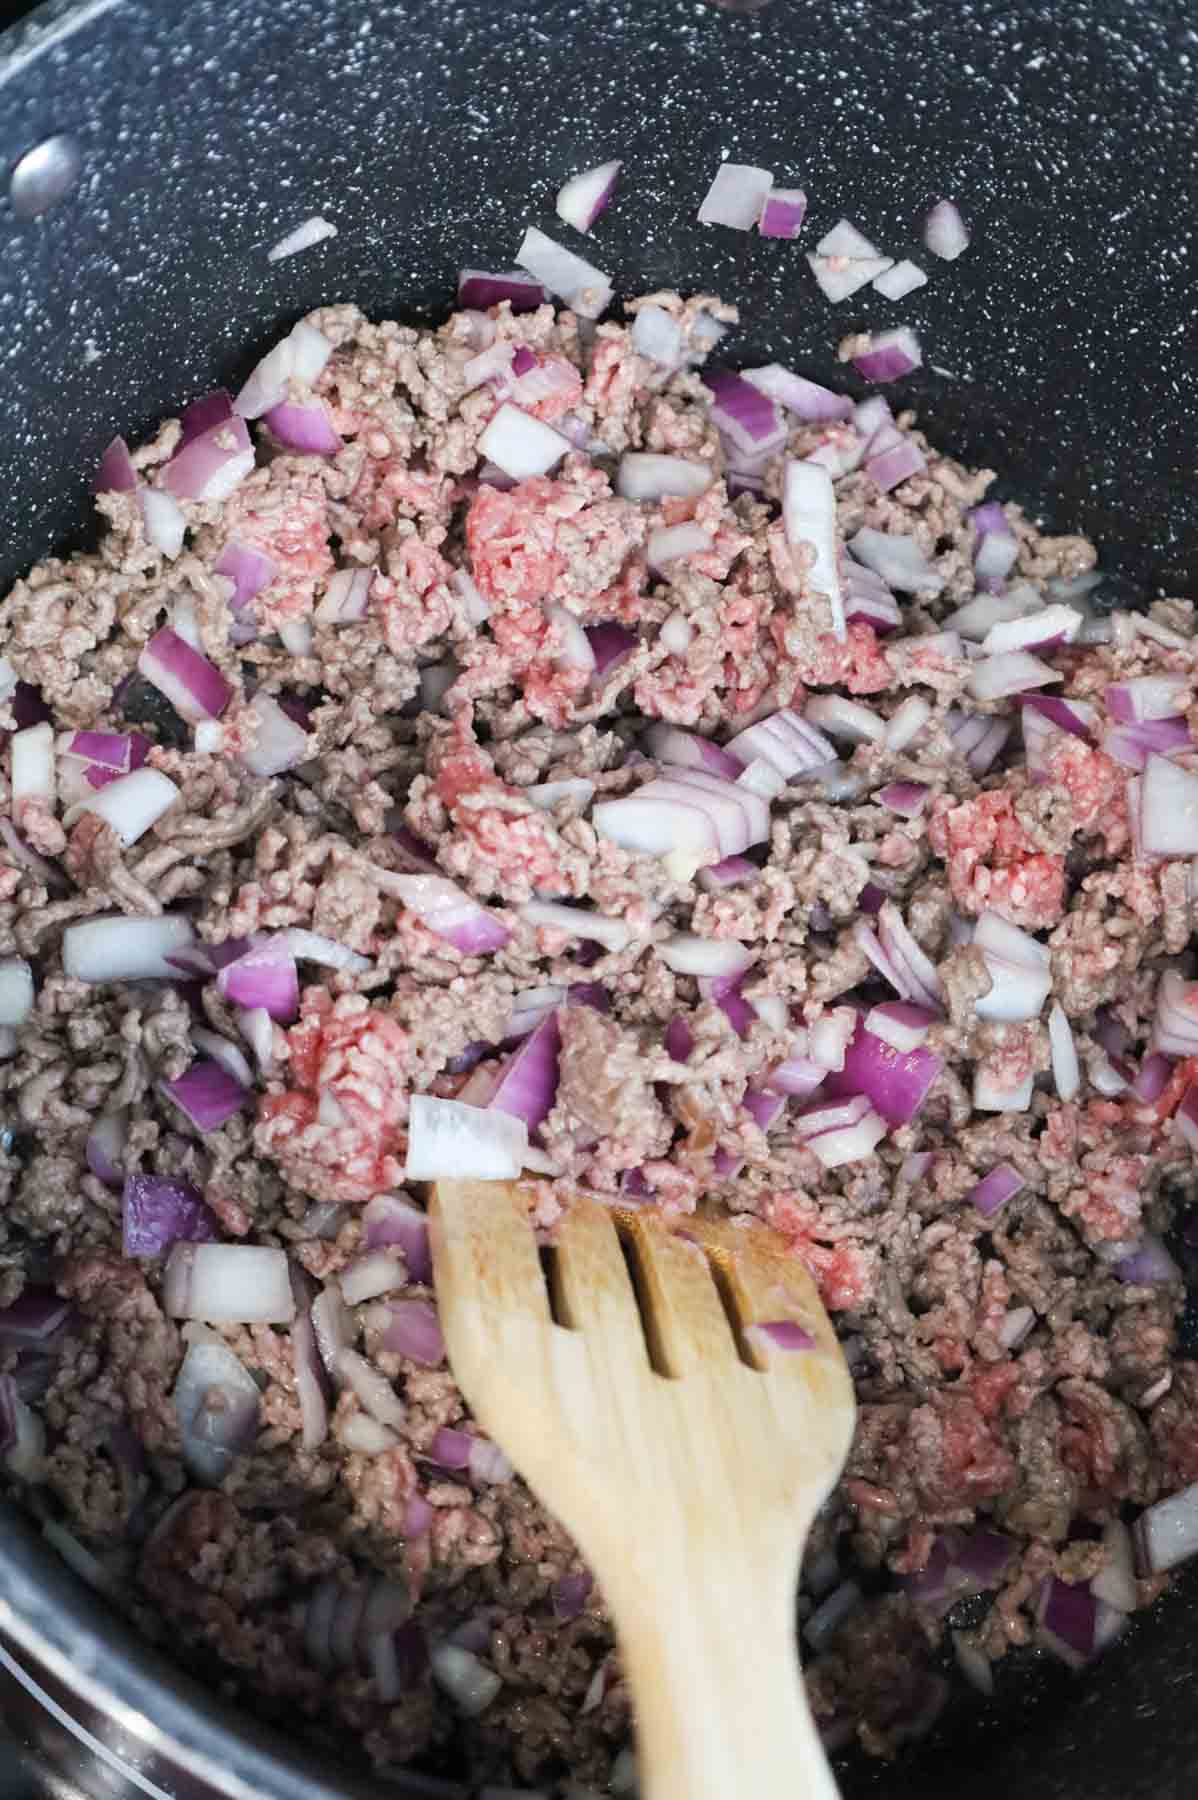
897	559
481	288
208	466
33	776
585	289
840	276
1148	1265
303	237
450	913
33	1319
303	426
908	958
1016	1327
677	633
125	949
786	742
527	1085
997	548
280	744
979	615
895	1083
897	464
583	197
116	473
903	1026
118	751
995	1189
724	992
194	686
1012	673
656	334
301	355
743	413
313	946
1043	630
159	1211
679	1040
414	1331
1067	1614
1152	1078
451	1141
906	798
1147	697
783	213
729	873
809	518
16	991
845	240
1175	1025
805	398
217	1403
105	1147
736	197
945	232
346	598
266	977
1132	745
853	1143
593	927
831	1613
1019	968
891	354
371	1275
471	1686
736	808
207	1094
681	819
1077	717
418	1518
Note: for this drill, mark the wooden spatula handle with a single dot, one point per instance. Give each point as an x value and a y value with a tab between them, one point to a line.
720	1708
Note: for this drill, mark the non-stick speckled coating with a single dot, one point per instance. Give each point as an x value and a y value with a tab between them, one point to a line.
431	134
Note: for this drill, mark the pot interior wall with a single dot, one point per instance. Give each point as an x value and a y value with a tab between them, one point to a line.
1059	348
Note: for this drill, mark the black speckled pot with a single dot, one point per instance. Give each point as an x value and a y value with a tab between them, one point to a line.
431	134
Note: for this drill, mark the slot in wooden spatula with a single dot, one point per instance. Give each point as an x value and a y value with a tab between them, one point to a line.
686	1452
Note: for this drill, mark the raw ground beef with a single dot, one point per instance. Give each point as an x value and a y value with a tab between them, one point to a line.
1016	1373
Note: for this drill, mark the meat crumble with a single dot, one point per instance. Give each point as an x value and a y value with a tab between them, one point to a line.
473	713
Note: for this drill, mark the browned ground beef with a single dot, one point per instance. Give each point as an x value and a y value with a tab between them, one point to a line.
1007	1375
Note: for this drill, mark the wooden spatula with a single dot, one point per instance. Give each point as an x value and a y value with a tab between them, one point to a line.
686	1451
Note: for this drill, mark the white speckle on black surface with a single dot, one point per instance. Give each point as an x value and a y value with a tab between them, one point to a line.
435	133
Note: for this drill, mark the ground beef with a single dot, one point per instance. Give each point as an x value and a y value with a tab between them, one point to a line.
1010	1376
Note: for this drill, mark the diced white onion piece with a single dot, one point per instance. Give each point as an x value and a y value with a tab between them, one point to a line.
655	822
1116	1583
898	559
367	1436
372	1389
852	1143
677	633
450	1141
1168	811
944	231
907	721
217	1402
901	280
644	475
989	1097
164	520
1012	673
1066	1071
594	927
16	991
311	946
470	1684
845	240
130	804
312	231
1167	1534
585	289
122	949
372	1275
583	197
33	769
302	354
688	954
225	1053
671	542
281	742
839	277
736	196
657	335
980	615
1051	625
809	517
228	1284
520	445
844	718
